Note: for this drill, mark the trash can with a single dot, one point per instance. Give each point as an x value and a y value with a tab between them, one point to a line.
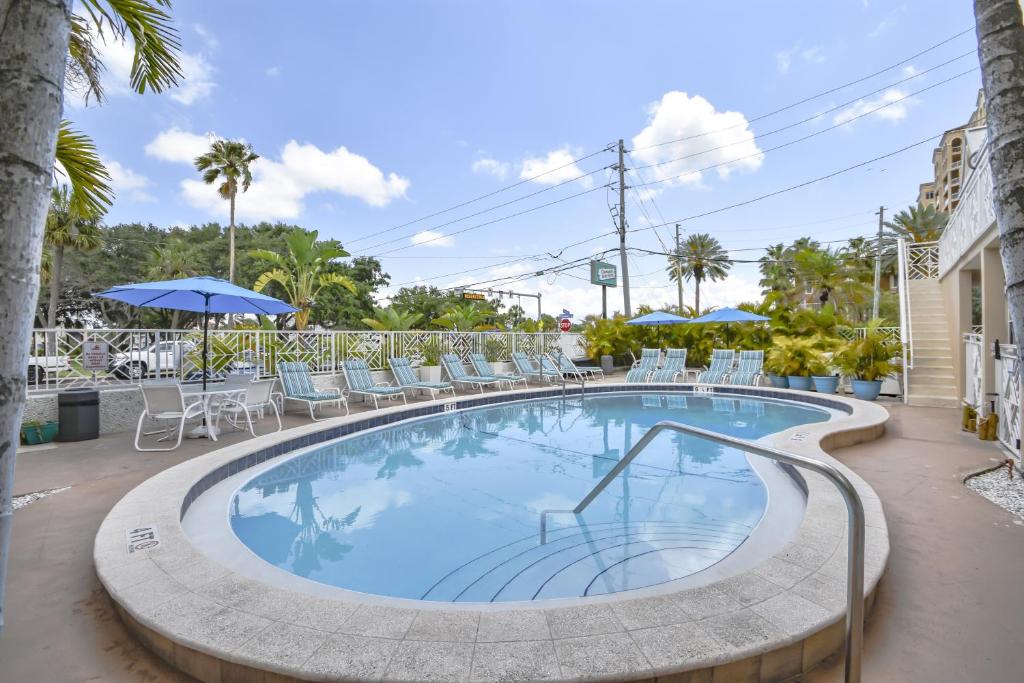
79	414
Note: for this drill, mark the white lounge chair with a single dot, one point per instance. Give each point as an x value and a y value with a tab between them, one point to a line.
258	397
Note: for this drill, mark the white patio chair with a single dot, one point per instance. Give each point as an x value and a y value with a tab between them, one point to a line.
258	397
166	402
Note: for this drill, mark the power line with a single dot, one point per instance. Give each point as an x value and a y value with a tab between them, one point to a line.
818	95
606	148
791	142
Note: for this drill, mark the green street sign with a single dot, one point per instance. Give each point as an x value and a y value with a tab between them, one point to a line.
602	273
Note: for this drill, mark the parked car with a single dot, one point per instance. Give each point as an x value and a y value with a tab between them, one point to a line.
40	368
165	356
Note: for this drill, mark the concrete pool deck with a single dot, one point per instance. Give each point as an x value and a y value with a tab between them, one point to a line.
61	626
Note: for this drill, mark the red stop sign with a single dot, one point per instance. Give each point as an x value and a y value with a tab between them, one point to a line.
564	324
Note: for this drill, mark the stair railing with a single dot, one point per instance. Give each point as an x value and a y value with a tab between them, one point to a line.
854	509
906	329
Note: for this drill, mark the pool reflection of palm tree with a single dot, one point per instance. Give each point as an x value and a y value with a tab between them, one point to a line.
396	460
468	442
313	542
703	451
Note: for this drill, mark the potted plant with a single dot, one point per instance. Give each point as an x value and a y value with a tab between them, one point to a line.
34	432
793	359
430	367
824	383
867	361
774	366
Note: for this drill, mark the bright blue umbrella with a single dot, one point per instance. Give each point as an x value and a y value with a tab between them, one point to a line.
657	318
202	294
729	315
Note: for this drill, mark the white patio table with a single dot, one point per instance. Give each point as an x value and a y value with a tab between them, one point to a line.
207	429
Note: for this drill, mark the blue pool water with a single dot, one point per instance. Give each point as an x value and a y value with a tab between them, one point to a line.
448	507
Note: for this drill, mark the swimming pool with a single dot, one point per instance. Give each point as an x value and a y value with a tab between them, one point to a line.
447	508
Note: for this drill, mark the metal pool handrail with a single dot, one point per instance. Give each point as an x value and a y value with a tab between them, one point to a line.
579	380
854	507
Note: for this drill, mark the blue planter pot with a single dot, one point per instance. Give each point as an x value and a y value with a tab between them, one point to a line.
826	385
867	389
778	382
799	382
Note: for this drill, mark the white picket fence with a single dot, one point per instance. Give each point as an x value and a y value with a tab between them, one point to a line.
57	360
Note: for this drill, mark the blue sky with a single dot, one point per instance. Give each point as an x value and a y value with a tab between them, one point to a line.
369	116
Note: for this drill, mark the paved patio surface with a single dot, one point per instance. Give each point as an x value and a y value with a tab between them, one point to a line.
950	607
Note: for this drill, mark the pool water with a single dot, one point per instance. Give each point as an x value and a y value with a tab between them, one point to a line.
448	507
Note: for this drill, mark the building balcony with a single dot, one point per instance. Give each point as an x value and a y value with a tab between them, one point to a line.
971	217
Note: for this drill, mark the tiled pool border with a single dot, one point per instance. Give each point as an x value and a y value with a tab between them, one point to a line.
786	614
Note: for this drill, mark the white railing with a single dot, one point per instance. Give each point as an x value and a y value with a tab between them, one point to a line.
1010	387
906	330
922	260
854	333
57	359
974	392
971	217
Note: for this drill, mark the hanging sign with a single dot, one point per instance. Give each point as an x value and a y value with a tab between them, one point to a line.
604	274
95	356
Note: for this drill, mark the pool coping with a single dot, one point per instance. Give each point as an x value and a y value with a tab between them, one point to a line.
775	621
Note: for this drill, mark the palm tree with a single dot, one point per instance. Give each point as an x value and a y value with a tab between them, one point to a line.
776	272
701	257
228	161
392	320
918	223
304	272
64	228
466	317
170	261
1001	52
827	271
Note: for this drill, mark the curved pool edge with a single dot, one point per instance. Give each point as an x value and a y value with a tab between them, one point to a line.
779	619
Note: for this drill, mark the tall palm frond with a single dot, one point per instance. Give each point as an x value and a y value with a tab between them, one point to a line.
91	193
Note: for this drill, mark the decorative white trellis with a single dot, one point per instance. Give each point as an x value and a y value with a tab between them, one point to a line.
134	355
973	354
922	260
1009	385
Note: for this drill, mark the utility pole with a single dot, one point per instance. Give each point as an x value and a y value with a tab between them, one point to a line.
622	230
679	274
878	264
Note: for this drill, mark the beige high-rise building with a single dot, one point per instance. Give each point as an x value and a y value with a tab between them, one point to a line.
948	161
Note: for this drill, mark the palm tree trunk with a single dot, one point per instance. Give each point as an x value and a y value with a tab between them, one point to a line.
1001	51
55	274
32	51
696	295
231	242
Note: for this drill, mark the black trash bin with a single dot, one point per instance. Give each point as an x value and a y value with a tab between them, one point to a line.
79	414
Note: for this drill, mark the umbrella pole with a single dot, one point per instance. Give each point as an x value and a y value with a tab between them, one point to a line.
206	332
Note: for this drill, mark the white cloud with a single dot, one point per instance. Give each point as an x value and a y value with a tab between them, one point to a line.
498	169
812	55
207	36
895	112
910	70
273	71
197	82
280	186
430	238
556	167
677	116
179	145
127	183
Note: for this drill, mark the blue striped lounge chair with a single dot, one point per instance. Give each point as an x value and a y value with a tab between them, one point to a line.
643	367
749	369
406	378
550	366
566	365
360	381
721	365
526	366
456	371
675	365
297	383
483	368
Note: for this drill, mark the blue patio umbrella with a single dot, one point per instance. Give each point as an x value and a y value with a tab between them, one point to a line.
202	294
657	318
729	315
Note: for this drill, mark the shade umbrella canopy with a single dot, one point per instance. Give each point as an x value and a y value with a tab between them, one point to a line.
201	294
657	318
729	315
